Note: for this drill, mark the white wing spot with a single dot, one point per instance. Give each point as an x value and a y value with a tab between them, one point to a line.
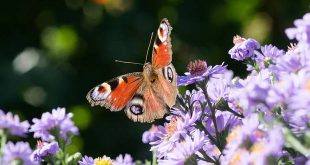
164	29
97	95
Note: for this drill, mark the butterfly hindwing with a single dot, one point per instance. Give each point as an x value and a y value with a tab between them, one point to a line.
146	105
153	100
162	53
167	80
116	93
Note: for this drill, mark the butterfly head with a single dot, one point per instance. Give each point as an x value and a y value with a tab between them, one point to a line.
149	72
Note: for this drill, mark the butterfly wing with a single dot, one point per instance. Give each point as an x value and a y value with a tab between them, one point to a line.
146	105
154	99
167	82
162	53
116	93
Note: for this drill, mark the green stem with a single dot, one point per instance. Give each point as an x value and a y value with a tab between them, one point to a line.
217	134
3	141
154	160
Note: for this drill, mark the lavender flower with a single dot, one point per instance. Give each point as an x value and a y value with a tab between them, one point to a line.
17	153
199	71
282	91
297	113
123	160
105	160
87	160
10	123
150	135
167	138
253	142
250	93
267	147
44	149
184	151
302	30
268	56
224	120
243	49
51	124
293	61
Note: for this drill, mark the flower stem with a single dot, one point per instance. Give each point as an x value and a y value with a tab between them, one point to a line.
154	160
3	141
217	134
235	113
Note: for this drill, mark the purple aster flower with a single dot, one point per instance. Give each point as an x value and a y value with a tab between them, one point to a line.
239	135
293	61
150	135
268	56
186	124
282	90
167	138
19	152
44	149
87	160
123	160
302	30
11	124
256	143
199	71
54	124
225	77
184	151
243	49
217	90
223	121
251	93
297	115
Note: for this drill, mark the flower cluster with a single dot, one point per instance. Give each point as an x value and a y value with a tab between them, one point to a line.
54	129
263	118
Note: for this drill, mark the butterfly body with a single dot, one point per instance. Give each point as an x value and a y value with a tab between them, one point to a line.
147	95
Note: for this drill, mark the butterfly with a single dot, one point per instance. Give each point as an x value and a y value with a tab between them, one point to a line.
144	96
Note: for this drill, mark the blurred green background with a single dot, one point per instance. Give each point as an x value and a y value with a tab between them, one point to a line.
54	51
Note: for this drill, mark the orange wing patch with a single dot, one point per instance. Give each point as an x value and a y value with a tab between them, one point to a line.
120	89
162	53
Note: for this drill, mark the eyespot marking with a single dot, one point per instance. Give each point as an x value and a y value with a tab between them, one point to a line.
169	74
136	109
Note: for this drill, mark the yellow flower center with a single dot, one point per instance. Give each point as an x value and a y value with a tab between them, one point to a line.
103	161
171	127
236	159
308	85
257	148
216	151
233	135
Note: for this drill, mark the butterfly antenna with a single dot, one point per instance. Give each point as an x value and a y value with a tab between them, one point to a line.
128	62
148	48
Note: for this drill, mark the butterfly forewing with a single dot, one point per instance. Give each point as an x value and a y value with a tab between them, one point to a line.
116	93
162	53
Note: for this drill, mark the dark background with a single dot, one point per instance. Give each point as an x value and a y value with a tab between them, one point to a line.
53	51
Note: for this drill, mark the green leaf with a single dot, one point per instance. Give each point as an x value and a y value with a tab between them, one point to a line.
293	142
73	159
